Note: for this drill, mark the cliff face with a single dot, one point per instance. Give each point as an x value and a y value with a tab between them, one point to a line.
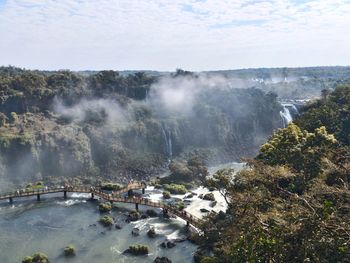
106	125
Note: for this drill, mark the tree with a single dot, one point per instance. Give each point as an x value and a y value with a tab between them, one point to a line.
221	181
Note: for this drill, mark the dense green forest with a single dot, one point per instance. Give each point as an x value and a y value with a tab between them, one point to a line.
109	125
292	203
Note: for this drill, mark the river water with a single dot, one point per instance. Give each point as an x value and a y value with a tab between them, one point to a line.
28	226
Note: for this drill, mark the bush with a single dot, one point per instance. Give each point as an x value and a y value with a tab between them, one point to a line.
106	221
36	258
105	207
111	187
209	197
175	188
69	251
138	250
27	259
166	195
40	258
134	215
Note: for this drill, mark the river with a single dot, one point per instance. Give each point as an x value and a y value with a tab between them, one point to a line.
28	226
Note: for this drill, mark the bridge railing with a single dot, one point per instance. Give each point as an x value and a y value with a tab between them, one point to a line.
115	197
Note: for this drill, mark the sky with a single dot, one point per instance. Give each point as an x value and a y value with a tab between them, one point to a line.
164	35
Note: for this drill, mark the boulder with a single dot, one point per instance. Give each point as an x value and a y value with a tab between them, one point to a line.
151	233
212	204
209	197
151	213
203	210
117	226
162	260
135	231
170	244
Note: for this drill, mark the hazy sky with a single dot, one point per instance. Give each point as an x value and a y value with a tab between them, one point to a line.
169	34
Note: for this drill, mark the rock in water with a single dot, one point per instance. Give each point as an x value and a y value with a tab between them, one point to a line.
203	210
135	231
170	244
151	233
162	260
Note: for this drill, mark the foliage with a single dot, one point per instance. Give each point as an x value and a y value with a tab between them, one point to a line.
333	112
104	207
69	251
175	188
106	221
290	204
166	195
298	149
111	186
134	215
138	250
36	258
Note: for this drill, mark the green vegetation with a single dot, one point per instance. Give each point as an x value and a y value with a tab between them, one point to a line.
69	251
36	258
134	215
291	204
175	189
166	195
116	136
194	170
105	207
138	250
106	221
111	186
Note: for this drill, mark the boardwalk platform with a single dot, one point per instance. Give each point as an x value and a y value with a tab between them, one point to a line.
114	196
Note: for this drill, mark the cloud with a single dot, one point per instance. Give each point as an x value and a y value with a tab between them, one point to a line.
153	34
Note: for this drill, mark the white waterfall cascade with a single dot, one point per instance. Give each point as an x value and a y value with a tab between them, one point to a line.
286	114
168	142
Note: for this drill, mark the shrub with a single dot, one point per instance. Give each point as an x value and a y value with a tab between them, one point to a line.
105	207
36	258
138	250
27	259
134	215
175	188
111	187
106	221
166	195
69	251
40	258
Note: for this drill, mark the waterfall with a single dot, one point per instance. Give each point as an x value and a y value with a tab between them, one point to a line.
286	115
295	109
168	142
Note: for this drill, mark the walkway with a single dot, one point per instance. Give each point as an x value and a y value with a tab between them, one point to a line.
115	196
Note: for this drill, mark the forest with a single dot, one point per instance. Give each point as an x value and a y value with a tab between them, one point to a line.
291	204
109	125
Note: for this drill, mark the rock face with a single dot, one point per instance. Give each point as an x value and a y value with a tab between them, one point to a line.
162	260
